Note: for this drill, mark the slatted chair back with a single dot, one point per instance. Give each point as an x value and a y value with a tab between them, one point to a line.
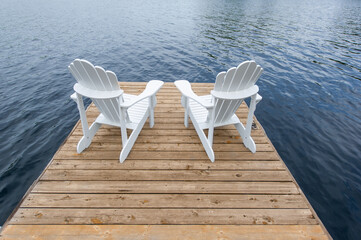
96	78
235	79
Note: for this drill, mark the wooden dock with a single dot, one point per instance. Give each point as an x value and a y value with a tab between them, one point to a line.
167	188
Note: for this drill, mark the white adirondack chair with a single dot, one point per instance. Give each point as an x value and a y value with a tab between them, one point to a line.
218	108
116	108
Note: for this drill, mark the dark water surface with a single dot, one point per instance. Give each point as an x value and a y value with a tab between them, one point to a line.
311	86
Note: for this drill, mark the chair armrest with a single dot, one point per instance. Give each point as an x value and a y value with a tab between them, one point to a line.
186	89
258	98
91	93
73	96
151	89
236	95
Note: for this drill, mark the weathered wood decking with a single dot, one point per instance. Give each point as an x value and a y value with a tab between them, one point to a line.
167	188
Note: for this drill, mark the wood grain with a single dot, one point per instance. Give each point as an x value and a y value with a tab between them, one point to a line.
166	165
166	175
166	187
178	232
163	216
64	200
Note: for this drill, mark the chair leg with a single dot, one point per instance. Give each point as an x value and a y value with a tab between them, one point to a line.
249	143
152	103
247	139
127	146
87	132
88	137
245	132
151	118
206	144
252	108
185	104
211	127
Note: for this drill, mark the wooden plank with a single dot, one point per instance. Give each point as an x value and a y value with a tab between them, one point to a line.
163	216
113	131
165	187
171	105
178	232
166	165
168	139
174	147
92	113
166	155
174	124
179	109
165	175
162	201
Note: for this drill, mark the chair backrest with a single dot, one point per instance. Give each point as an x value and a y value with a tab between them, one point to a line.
235	79
96	78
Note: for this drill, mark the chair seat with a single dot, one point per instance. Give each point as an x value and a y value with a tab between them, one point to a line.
199	112
135	113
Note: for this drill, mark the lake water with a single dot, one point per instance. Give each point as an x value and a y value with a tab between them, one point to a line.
311	86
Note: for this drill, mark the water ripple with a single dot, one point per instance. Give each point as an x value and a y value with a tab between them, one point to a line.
311	88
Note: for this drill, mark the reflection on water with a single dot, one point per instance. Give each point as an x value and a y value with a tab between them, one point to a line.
311	87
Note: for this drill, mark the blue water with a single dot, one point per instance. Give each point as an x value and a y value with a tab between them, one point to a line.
311	86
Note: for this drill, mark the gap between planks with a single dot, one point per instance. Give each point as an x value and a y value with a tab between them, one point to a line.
169	97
